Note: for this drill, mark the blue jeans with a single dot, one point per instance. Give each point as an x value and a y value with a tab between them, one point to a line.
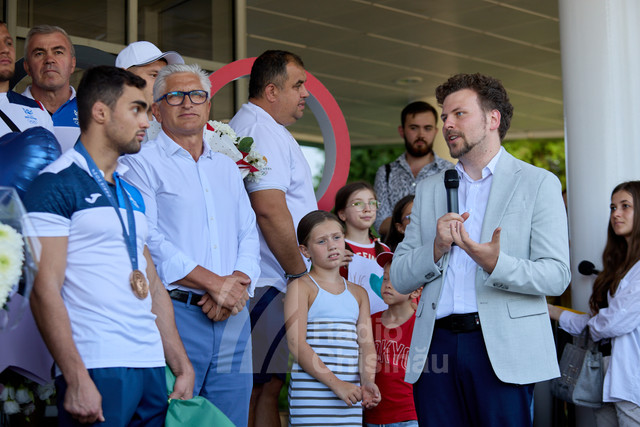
220	353
412	423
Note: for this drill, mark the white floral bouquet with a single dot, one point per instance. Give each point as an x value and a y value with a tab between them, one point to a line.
222	138
11	261
18	260
21	397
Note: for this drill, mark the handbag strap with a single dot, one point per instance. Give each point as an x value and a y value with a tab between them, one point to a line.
585	341
9	122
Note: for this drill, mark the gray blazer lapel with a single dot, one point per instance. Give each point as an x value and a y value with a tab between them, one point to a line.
505	181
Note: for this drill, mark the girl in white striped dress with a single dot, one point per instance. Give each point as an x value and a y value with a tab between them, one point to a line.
329	333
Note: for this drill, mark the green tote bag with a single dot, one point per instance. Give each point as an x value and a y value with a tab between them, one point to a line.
195	412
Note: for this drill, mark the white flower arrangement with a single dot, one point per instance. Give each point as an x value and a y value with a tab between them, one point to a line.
223	139
11	407
23	398
11	260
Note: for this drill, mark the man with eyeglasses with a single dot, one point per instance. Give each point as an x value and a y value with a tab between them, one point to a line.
145	60
203	238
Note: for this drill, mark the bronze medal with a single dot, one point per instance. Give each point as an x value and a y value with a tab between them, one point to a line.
139	284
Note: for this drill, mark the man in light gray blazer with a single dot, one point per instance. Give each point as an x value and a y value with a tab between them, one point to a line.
482	336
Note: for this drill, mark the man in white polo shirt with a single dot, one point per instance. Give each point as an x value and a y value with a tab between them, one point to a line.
280	199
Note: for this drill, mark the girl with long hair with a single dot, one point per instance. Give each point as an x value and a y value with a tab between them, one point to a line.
615	310
329	333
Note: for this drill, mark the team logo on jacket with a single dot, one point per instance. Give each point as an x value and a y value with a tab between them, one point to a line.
28	114
92	199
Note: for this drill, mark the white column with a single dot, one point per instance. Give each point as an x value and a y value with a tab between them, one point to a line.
601	79
601	84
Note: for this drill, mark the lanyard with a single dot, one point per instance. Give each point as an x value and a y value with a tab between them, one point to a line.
130	237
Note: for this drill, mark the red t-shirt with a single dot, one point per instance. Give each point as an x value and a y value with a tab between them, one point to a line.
367	251
392	349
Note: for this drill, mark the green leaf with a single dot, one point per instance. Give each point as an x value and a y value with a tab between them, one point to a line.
245	144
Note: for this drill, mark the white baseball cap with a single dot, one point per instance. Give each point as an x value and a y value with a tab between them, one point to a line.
143	53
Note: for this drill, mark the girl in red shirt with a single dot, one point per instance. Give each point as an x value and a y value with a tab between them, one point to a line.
356	206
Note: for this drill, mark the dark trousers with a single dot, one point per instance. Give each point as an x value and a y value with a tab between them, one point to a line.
459	388
130	397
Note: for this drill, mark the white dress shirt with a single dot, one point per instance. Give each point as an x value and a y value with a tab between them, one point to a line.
620	321
459	289
198	212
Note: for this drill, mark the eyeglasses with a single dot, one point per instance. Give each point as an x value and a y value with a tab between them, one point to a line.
177	97
359	206
406	218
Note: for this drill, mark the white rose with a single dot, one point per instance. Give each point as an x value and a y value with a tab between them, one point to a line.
11	407
23	396
9	393
45	391
225	129
4	393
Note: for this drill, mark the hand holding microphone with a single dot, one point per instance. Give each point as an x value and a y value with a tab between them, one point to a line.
444	240
451	183
484	254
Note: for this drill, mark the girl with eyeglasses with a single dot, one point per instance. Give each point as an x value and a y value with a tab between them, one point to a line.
356	206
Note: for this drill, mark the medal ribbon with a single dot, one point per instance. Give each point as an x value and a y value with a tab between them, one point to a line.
130	237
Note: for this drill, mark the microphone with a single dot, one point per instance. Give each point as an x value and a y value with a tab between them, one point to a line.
586	268
451	183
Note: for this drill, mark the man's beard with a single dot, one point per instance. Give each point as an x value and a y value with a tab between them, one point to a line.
463	148
120	144
418	151
132	147
6	75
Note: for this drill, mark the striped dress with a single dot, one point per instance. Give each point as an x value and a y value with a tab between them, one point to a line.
331	332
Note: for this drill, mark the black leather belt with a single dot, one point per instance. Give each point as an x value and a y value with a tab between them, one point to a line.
458	323
183	296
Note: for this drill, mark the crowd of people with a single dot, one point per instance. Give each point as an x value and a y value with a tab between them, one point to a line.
156	254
